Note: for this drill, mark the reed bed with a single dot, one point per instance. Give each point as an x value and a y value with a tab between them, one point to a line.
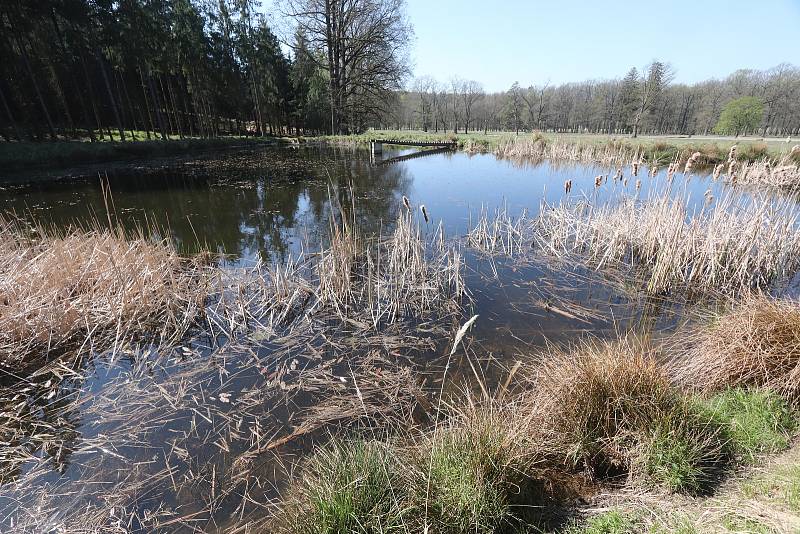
90	290
538	148
739	242
755	343
783	173
191	432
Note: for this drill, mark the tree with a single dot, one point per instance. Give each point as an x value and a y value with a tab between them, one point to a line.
364	51
650	88
515	105
740	116
471	92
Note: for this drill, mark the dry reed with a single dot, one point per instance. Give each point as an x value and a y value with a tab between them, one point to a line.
756	343
738	243
90	290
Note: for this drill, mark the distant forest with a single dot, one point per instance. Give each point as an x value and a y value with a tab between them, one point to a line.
159	69
643	101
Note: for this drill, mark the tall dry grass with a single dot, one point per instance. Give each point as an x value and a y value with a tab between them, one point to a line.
782	173
756	343
737	242
387	278
539	148
89	290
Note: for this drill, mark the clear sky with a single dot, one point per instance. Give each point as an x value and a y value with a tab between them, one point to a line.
534	41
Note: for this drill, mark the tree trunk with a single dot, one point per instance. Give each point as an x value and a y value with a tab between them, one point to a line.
115	109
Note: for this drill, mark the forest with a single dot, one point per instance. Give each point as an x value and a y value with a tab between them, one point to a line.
644	100
158	69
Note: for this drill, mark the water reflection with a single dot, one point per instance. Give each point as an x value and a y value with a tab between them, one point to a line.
266	201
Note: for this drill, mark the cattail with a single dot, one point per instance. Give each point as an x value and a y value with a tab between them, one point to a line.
638	184
717	171
653	170
598	181
567	186
709	198
424	213
618	176
690	162
731	168
732	154
635	168
671	170
406	203
625	182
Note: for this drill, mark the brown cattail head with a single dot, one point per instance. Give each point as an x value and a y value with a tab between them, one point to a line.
406	203
653	170
732	154
424	213
717	171
618	176
691	161
638	184
598	181
635	168
568	186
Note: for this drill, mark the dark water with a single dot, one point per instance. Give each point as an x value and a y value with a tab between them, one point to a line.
272	203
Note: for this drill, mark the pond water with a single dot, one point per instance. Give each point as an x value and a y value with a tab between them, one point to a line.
273	203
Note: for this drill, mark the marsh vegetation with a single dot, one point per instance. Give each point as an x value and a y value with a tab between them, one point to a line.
380	359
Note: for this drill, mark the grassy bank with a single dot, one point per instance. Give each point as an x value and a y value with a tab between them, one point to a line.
20	156
596	418
768	161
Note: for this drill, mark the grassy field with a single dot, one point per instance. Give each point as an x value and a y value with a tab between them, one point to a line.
661	148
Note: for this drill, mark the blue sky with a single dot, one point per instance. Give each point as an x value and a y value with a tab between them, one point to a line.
497	43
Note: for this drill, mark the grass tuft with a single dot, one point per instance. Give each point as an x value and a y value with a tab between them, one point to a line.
610	408
347	487
755	344
471	475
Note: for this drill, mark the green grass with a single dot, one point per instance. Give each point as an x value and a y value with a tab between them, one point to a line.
611	522
349	487
684	451
757	421
781	485
465	483
737	523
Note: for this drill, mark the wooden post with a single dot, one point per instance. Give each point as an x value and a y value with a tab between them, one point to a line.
376	147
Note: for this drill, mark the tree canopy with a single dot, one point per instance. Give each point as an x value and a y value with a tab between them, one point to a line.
740	116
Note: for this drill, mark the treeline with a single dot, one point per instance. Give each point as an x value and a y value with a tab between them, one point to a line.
643	101
157	69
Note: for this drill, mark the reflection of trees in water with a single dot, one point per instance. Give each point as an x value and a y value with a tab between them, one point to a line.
243	203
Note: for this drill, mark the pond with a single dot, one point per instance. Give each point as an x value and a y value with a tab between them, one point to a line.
272	204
